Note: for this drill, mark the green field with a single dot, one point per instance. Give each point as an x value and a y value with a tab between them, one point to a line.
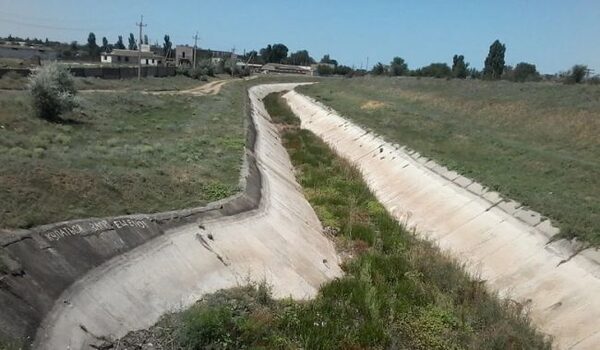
120	153
398	292
537	143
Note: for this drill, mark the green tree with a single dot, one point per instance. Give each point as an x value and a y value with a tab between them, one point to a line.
279	53
301	58
578	73
104	44
167	46
253	57
92	46
343	70
435	70
525	72
494	62
328	60
378	69
459	67
132	44
119	44
145	39
398	67
265	53
275	53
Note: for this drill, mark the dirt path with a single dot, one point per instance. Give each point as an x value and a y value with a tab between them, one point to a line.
280	242
507	246
212	88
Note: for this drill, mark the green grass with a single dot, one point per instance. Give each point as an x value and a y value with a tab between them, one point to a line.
398	292
127	153
536	143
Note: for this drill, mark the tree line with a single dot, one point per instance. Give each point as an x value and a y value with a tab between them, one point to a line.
495	68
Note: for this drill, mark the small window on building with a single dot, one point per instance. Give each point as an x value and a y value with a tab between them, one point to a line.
159	61
126	59
105	57
119	58
146	61
153	60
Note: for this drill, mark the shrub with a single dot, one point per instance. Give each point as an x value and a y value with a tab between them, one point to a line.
325	69
398	67
378	69
182	70
436	70
525	72
343	70
52	89
595	80
577	74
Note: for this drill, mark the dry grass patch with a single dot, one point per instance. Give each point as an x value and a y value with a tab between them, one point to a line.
372	105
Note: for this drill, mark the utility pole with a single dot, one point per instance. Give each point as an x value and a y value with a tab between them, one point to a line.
141	24
195	37
233	59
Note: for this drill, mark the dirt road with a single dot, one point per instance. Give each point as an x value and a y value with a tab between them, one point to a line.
212	88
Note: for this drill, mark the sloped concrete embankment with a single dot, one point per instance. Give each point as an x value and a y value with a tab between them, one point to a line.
505	245
87	280
38	264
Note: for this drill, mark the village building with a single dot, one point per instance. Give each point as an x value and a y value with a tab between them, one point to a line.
131	57
287	69
184	55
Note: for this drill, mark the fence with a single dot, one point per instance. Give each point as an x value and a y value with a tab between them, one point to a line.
105	72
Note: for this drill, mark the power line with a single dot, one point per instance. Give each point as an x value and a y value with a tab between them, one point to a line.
26	17
43	26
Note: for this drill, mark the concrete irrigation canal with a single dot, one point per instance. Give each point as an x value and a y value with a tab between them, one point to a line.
74	284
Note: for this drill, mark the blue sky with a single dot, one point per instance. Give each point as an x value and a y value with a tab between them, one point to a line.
552	34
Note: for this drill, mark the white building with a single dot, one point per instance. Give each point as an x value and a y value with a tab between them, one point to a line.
130	57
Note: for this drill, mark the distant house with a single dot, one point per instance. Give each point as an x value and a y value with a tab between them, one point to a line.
126	57
286	69
184	55
27	52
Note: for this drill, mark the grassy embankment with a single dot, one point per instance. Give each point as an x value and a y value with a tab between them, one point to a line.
13	81
122	153
398	291
537	143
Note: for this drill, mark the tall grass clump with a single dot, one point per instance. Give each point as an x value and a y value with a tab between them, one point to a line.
52	90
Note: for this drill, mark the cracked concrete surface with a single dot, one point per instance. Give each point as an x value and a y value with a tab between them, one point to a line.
504	244
281	242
